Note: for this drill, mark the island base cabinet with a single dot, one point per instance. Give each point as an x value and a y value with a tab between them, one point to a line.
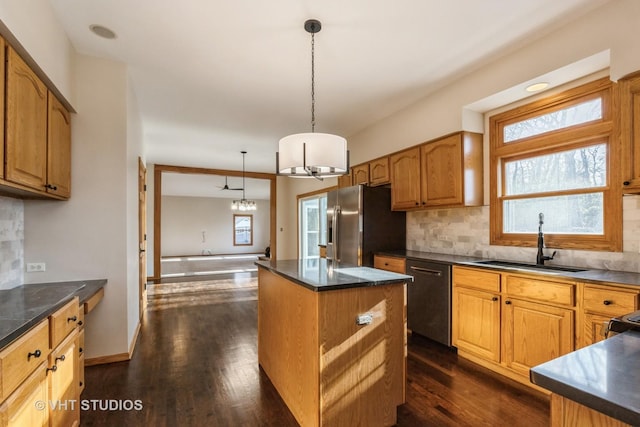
330	370
567	413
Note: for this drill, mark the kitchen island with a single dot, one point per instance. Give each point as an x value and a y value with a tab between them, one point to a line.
332	340
596	385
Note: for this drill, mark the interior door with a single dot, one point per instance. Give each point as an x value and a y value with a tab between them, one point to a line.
142	235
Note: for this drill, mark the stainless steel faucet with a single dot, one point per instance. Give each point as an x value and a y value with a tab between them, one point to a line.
541	257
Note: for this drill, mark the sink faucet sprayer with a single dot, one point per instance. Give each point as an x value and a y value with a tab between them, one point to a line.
541	257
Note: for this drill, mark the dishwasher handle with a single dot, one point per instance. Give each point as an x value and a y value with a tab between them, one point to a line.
426	271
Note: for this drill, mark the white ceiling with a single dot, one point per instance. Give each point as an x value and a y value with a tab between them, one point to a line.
214	77
198	185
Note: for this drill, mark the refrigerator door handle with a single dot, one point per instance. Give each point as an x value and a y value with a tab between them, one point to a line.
336	233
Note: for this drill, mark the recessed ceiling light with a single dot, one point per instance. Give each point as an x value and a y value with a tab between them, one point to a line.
103	32
536	87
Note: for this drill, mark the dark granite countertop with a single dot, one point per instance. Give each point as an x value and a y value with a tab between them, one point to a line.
23	307
588	275
321	275
604	376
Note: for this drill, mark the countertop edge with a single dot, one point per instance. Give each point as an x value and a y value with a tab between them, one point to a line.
357	283
589	275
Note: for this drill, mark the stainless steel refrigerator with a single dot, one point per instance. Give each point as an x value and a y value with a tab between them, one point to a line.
360	223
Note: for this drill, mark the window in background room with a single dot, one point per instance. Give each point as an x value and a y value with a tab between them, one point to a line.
313	225
242	230
558	156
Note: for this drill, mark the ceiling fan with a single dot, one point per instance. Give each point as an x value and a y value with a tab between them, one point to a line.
226	186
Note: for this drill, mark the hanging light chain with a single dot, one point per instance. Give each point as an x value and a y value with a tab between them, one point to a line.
313	83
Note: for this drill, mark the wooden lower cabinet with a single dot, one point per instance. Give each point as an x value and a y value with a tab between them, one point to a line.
28	404
510	323
600	304
534	333
567	413
476	322
329	370
395	264
63	384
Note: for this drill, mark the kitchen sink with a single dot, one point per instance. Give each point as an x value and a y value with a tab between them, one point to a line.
528	266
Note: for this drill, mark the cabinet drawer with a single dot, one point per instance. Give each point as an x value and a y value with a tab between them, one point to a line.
476	278
614	302
22	357
397	265
541	290
63	321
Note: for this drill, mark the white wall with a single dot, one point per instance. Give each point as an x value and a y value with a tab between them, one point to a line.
36	27
87	237
184	219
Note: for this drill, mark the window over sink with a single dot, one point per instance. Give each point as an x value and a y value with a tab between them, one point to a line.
558	156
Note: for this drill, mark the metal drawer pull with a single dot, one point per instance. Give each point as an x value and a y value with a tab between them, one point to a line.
427	270
35	354
606	302
364	319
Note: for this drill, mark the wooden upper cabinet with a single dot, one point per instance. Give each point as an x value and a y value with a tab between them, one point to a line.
26	125
452	171
344	180
405	179
58	149
446	172
360	174
630	132
379	171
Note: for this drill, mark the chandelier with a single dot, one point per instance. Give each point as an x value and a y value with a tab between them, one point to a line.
243	204
316	155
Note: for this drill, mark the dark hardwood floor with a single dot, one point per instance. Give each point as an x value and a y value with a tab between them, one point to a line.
195	364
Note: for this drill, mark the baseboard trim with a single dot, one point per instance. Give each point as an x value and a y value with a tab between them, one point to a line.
113	358
134	341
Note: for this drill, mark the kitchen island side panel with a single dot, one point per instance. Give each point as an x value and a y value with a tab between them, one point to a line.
362	367
288	343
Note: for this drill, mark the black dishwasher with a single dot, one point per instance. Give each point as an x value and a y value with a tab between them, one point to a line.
429	300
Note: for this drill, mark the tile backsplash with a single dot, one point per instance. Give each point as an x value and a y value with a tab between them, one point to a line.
465	231
11	242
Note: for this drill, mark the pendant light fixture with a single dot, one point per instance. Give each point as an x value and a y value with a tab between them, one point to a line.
243	204
316	155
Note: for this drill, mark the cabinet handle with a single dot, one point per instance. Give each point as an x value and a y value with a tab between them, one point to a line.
35	354
426	270
508	302
51	187
494	299
607	302
80	350
52	369
60	358
417	204
626	183
80	323
72	319
81	383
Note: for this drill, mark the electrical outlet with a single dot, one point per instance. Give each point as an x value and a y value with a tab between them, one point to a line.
36	267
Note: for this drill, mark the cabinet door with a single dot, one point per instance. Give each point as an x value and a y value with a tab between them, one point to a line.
344	180
26	121
58	149
630	132
2	104
476	322
534	333
405	179
595	326
63	383
379	171
360	174
28	404
442	178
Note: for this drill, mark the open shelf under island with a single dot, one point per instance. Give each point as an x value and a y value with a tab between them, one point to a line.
332	340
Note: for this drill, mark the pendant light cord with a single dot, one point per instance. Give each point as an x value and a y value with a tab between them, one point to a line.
313	84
